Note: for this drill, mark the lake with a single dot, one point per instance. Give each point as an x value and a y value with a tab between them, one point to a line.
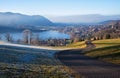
42	35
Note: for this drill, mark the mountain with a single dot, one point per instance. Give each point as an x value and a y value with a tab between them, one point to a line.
84	19
17	19
10	19
109	22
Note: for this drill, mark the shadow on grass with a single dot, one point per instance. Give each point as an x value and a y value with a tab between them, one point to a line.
114	55
105	48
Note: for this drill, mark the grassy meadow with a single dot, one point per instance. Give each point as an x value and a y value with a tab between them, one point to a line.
106	43
107	50
75	45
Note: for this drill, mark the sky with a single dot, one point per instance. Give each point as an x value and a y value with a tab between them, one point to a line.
61	7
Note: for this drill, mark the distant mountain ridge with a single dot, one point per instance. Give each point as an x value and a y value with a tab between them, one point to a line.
109	21
84	19
17	19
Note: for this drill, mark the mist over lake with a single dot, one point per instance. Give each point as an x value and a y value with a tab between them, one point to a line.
42	35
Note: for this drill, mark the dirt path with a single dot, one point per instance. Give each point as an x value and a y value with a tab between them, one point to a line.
86	66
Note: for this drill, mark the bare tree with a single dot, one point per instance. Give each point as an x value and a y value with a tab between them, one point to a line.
76	39
27	36
35	39
0	37
8	37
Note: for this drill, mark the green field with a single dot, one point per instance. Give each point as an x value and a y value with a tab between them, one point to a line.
106	43
106	50
76	45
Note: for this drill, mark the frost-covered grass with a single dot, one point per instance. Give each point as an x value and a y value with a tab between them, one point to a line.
23	62
12	54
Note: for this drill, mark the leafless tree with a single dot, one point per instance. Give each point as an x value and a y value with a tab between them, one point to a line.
0	37
35	40
27	36
8	37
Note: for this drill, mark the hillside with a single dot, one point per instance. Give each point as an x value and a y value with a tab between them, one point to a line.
27	62
17	19
109	30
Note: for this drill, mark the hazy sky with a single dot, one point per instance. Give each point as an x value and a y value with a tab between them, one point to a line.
61	7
